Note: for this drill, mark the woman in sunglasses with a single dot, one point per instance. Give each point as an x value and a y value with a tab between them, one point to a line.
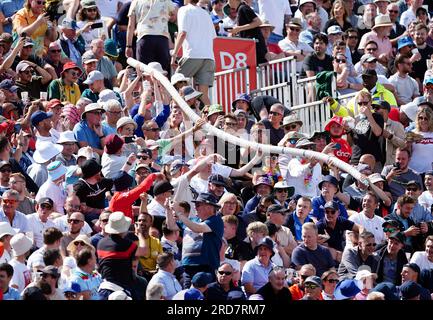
32	21
90	23
329	282
421	160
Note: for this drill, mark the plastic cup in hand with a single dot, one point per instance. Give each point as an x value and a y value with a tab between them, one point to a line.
44	96
25	96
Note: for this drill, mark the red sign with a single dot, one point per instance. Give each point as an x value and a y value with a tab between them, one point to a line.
232	53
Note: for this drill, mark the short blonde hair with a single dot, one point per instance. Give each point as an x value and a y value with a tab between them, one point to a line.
309	226
227	197
257	227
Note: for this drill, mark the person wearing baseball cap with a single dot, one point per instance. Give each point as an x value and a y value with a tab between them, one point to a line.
203	256
66	88
25	80
393	252
95	81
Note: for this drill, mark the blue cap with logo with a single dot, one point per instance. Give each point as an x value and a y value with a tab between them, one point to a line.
39	116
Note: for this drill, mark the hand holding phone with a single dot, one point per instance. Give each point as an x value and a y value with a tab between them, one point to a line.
96	25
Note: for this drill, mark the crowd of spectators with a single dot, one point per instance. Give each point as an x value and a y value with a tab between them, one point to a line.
109	191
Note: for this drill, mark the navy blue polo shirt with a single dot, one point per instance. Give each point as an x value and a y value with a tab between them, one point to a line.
337	234
318	204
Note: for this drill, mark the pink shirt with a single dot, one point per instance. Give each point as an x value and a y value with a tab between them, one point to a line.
384	44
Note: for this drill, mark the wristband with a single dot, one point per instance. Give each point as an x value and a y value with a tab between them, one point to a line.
129	163
128	46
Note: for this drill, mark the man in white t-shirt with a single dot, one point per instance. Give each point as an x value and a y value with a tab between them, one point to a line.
406	87
277	12
38	222
292	46
195	36
52	237
367	218
424	259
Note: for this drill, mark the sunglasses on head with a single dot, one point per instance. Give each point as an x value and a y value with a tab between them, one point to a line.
226	273
74	221
389	230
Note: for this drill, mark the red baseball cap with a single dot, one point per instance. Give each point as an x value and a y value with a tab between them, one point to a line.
334	119
53	102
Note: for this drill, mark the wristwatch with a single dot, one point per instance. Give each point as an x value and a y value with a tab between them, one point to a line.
128	46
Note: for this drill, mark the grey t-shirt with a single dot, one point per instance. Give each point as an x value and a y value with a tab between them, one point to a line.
27	206
398	183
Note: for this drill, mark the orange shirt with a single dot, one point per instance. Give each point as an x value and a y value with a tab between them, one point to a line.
24	18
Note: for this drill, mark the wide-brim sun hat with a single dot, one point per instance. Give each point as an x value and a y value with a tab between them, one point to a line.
20	244
92	107
6	229
124	121
118	223
66	136
81	237
382	21
45	151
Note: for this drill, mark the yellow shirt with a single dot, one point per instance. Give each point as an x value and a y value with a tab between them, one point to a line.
149	262
24	18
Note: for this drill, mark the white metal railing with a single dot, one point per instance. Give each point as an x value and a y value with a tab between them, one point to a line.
306	90
314	116
276	74
280	91
228	84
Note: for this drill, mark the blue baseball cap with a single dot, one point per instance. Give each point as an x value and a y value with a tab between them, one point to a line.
8	85
72	287
410	290
405	41
242	97
201	279
207	198
39	116
193	294
428	81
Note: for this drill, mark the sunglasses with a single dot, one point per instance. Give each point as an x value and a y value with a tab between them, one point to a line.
389	230
295	29
5	170
429	86
9	201
282	190
92	9
231	124
70	295
393	11
40	2
55	50
330	211
46	206
74	221
293	141
142	157
340	60
423	118
370	245
74	73
311	286
275	113
291	126
81	243
332	280
412	189
364	103
104	220
227	273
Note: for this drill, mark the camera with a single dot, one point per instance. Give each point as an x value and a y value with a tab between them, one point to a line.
396	165
128	139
